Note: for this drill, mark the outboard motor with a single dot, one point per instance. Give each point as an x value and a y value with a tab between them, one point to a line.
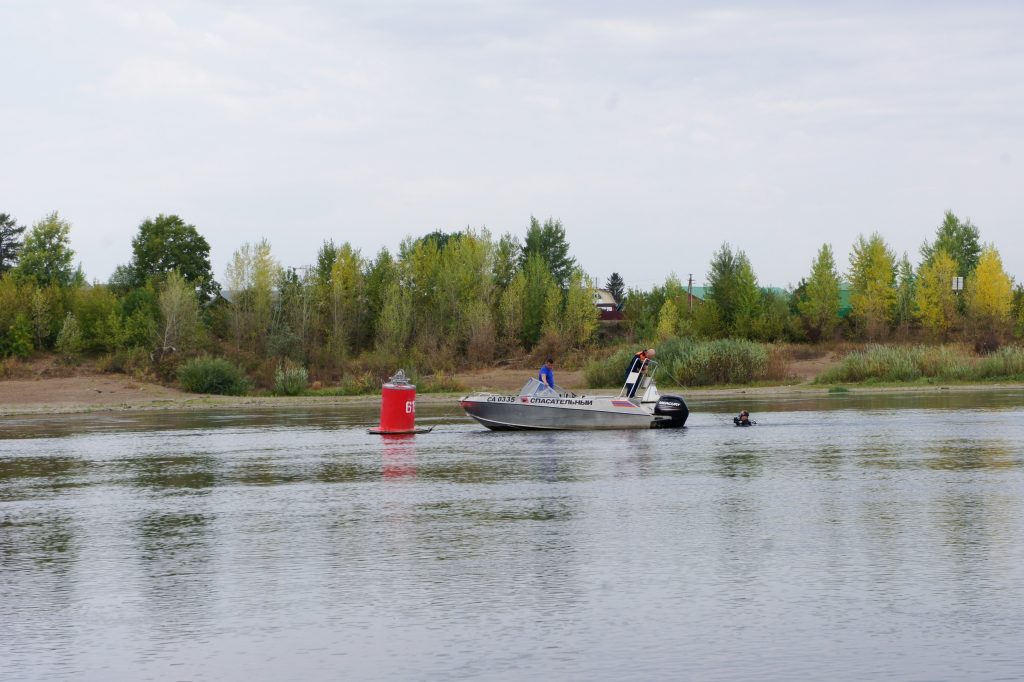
673	407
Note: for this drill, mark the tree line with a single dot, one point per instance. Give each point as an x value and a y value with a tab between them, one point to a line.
449	300
886	297
442	301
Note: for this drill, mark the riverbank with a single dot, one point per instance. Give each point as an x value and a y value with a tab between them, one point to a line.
115	393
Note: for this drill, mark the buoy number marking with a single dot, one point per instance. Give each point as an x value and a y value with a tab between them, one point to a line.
410	407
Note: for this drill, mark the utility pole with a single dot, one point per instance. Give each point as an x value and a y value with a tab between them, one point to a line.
689	292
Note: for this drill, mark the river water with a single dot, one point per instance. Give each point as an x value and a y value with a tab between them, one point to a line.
841	538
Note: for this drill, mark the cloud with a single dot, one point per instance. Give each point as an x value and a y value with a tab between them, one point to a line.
371	120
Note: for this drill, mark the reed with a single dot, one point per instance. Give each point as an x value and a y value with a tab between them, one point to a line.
290	379
687	362
896	364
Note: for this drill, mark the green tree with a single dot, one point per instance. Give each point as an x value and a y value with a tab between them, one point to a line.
325	259
747	308
538	283
46	256
394	325
1017	310
466	291
959	239
420	271
872	277
935	299
906	295
549	242
616	286
733	295
819	306
381	273
776	321
510	313
506	257
167	243
92	306
10	242
295	320
722	292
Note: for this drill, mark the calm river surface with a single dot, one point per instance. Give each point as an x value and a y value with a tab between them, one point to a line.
841	538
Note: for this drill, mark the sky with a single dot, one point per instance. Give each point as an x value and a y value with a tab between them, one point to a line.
655	131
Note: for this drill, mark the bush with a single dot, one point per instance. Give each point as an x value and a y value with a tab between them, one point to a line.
134	361
212	375
18	340
362	384
290	379
437	383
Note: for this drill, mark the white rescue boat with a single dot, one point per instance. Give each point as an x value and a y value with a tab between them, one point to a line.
537	406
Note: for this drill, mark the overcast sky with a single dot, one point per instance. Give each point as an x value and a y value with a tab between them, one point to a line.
654	130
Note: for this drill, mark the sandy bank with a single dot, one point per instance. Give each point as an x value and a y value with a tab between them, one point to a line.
105	393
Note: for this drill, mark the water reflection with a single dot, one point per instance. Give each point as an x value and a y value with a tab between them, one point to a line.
188	471
175	552
398	455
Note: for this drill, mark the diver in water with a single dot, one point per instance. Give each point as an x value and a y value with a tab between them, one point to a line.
743	419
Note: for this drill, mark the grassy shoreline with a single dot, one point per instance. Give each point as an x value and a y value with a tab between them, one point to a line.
203	402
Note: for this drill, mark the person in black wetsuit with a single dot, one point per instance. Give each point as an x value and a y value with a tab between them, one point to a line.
743	419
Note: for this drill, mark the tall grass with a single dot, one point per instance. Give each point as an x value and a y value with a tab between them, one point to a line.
610	371
699	363
911	363
290	379
1005	363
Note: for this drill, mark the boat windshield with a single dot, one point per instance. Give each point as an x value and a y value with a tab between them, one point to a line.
533	387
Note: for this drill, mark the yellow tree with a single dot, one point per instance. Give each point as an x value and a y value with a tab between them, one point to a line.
990	293
251	276
668	320
872	279
580	319
936	301
346	298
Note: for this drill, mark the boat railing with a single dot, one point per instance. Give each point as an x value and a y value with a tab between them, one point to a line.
639	380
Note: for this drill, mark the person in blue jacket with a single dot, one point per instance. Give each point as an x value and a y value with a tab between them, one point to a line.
546	375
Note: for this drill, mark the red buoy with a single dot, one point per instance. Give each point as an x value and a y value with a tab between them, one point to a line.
398	407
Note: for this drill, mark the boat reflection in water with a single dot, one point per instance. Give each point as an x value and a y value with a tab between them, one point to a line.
638	405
